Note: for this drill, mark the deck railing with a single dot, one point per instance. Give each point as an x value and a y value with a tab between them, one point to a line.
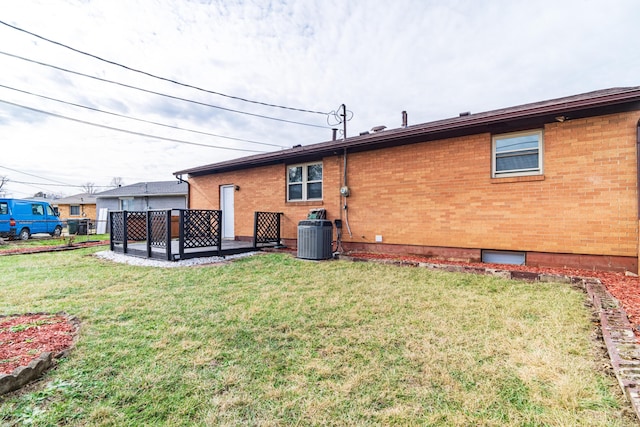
152	226
266	228
200	229
199	232
159	232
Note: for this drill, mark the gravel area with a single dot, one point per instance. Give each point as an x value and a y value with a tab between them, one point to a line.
145	262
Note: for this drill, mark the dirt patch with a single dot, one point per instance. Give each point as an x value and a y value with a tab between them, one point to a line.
22	250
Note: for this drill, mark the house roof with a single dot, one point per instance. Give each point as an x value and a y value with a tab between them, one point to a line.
78	199
157	188
520	117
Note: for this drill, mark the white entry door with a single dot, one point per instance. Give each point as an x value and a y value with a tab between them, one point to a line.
226	206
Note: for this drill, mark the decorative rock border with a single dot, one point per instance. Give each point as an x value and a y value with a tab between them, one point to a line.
620	340
617	332
23	375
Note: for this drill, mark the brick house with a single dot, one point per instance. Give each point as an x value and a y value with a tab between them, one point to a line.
78	206
553	183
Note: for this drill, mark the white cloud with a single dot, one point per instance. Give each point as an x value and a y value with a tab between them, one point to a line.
433	59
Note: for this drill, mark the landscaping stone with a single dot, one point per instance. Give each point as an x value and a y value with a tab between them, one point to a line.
25	374
554	278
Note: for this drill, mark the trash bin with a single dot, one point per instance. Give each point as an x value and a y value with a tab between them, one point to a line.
314	239
83	226
72	226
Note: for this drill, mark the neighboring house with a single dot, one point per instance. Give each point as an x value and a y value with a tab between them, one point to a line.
553	183
79	206
144	196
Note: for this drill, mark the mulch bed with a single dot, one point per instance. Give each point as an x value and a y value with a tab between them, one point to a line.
19	249
25	337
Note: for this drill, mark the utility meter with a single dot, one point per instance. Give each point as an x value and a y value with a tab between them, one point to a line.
344	191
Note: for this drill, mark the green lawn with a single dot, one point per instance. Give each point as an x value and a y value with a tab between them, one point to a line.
44	240
273	340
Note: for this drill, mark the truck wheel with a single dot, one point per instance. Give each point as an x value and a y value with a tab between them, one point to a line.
57	232
24	234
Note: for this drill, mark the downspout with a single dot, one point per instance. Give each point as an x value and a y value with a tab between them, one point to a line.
188	204
180	180
344	195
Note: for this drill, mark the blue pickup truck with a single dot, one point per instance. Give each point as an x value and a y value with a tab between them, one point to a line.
22	218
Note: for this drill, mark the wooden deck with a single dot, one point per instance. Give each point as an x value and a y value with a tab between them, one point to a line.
155	234
229	247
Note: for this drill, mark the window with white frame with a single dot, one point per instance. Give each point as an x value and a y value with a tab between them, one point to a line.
304	182
126	204
74	210
517	154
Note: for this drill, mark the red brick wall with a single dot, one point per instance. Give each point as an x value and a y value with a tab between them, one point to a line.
441	193
89	210
264	189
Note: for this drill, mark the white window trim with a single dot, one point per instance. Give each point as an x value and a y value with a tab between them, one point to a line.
538	171
121	199
304	181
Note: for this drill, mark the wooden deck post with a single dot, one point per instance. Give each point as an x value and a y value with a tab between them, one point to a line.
168	234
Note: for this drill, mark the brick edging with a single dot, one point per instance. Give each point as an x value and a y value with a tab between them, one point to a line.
617	332
23	375
621	342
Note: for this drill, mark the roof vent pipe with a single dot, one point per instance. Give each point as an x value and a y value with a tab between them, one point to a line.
466	113
334	132
404	119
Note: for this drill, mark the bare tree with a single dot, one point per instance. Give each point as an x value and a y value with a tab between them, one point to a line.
3	181
89	188
116	182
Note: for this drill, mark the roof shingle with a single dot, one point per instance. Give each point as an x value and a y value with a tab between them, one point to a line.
156	188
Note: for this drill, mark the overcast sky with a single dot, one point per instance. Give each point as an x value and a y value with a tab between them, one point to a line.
432	58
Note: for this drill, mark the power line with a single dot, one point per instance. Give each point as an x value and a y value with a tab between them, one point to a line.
35	176
34	184
138	119
159	77
58	185
128	131
22	192
231	110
